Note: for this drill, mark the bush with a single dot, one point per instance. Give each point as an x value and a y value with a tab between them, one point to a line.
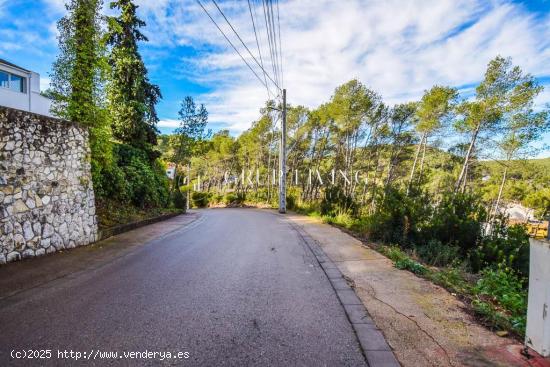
402	260
335	202
398	217
234	198
506	289
437	254
179	200
200	199
458	221
133	177
505	246
290	202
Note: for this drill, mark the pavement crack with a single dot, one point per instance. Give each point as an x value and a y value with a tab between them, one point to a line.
372	293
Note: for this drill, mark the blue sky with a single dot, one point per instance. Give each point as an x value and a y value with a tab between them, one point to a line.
396	47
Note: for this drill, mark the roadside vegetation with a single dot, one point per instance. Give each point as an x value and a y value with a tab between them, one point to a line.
435	177
435	173
100	81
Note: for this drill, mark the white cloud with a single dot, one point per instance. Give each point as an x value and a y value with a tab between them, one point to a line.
170	123
44	82
397	48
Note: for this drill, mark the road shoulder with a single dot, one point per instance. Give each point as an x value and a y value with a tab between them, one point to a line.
423	323
21	276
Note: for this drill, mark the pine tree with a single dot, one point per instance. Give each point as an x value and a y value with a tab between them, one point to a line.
131	96
192	130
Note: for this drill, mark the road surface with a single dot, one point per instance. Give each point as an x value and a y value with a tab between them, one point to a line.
237	287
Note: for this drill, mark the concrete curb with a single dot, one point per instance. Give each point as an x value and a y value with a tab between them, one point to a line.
373	344
113	231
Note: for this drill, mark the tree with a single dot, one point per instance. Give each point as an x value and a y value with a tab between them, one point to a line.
78	74
399	136
540	201
433	111
191	134
522	126
131	96
496	97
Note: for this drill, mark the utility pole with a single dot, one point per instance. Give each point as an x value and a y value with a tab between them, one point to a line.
188	187
282	160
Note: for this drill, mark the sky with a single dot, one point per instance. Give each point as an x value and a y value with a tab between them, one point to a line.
398	48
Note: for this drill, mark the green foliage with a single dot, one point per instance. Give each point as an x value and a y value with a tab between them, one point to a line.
131	105
457	220
506	246
133	177
200	199
234	199
336	201
77	71
451	279
178	199
540	201
398	216
394	253
402	260
78	75
505	289
438	254
190	135
411	265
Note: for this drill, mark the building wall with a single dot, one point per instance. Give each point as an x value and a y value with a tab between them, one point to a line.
32	100
46	196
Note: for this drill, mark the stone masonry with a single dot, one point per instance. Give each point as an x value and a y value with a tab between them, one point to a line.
46	195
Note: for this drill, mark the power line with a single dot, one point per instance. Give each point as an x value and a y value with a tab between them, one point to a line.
258	43
280	45
244	44
274	37
270	39
231	43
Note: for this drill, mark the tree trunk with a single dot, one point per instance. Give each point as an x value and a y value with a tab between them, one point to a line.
504	174
421	169
462	175
414	162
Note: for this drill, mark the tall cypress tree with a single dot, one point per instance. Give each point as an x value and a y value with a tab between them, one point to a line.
131	96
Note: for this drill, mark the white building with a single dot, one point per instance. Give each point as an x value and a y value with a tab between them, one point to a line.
20	89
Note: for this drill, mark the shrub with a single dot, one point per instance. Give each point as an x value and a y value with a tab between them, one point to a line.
133	177
397	217
335	201
506	289
200	199
457	220
233	198
402	260
437	254
290	202
178	199
411	265
504	246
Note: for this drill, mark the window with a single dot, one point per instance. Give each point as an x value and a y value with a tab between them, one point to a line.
4	79
17	83
14	82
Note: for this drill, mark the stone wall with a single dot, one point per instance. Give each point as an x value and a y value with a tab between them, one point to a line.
46	194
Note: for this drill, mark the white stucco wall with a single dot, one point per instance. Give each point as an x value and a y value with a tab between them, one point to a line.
32	100
537	335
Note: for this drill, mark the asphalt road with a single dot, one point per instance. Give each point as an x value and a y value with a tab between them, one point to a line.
237	287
